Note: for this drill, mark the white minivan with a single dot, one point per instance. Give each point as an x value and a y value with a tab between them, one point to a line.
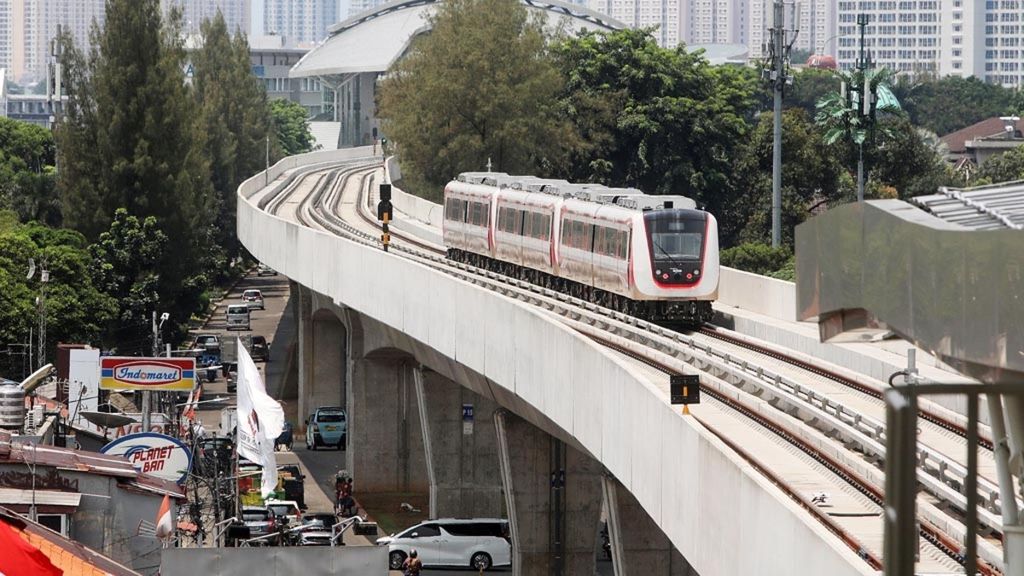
238	317
478	543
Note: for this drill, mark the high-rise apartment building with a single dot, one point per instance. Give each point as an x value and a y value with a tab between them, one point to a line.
945	37
301	23
6	43
194	12
33	26
664	14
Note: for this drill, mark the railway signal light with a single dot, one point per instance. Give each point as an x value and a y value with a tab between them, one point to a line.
684	389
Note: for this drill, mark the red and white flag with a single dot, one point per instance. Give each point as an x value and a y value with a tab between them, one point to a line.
260	420
164	522
190	405
20	558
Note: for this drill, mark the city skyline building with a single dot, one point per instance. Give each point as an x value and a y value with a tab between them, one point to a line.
194	12
301	23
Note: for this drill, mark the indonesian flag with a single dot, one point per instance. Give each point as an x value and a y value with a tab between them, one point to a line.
260	420
190	405
164	523
20	558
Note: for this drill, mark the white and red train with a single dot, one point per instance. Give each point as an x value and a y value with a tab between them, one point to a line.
654	257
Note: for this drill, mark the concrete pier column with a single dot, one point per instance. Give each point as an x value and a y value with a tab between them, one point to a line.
460	447
639	547
304	358
385	444
553	494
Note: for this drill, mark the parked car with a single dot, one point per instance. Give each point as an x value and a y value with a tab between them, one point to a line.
327	426
259	519
323	519
260	349
264	270
286	509
253	299
315	538
479	543
285	439
237	317
232	381
206	342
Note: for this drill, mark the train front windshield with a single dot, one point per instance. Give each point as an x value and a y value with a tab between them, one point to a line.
676	242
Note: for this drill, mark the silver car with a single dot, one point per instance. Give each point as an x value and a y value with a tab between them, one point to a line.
237	317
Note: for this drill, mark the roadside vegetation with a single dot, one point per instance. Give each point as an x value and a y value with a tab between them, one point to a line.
130	202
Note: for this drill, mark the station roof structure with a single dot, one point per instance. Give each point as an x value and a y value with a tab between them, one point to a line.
371	41
996	207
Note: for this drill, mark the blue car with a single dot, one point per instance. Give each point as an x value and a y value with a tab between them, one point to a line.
327	426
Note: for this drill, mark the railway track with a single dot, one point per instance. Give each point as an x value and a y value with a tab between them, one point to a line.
859	437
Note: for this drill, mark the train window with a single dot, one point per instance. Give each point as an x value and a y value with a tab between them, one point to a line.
545	227
566	232
578	235
527	222
624	245
600	240
538	226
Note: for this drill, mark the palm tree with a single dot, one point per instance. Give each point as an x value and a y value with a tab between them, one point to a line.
843	116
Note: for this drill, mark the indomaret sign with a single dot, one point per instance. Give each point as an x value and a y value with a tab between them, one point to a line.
138	373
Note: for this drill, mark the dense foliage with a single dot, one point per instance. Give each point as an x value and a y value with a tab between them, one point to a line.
291	127
760	259
76	308
27	176
149	163
480	87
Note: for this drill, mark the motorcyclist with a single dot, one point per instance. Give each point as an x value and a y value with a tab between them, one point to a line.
412	564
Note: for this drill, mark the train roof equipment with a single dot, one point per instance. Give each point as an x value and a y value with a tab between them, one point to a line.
645	202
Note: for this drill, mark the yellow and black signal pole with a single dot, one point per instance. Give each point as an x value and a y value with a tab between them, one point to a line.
384	213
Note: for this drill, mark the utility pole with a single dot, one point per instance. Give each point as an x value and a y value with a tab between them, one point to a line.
863	64
777	73
147	406
44	278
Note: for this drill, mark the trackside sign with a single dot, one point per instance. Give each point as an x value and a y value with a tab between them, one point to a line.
137	373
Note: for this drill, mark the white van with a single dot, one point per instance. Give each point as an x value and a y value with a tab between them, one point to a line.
238	317
478	543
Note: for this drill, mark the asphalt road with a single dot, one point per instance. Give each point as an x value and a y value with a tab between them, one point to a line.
277	324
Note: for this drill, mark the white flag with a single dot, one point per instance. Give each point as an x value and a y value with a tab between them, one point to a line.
260	420
164	523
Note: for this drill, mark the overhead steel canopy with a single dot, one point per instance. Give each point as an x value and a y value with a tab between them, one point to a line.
371	41
996	207
951	283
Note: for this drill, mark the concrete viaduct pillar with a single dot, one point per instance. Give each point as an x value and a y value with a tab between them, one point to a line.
323	341
553	494
385	443
639	547
460	446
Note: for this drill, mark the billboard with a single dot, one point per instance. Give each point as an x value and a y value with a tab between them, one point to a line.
139	373
161	456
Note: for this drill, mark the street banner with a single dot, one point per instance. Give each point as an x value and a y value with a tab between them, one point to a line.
156	454
140	373
260	420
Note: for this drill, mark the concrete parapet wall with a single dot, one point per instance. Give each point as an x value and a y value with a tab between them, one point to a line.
272	561
419	208
759	294
707	500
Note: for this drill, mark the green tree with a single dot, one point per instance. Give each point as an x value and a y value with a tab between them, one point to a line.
131	139
76	309
125	261
291	127
662	120
809	86
27	178
1003	167
905	161
759	258
480	87
810	178
235	118
947	104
